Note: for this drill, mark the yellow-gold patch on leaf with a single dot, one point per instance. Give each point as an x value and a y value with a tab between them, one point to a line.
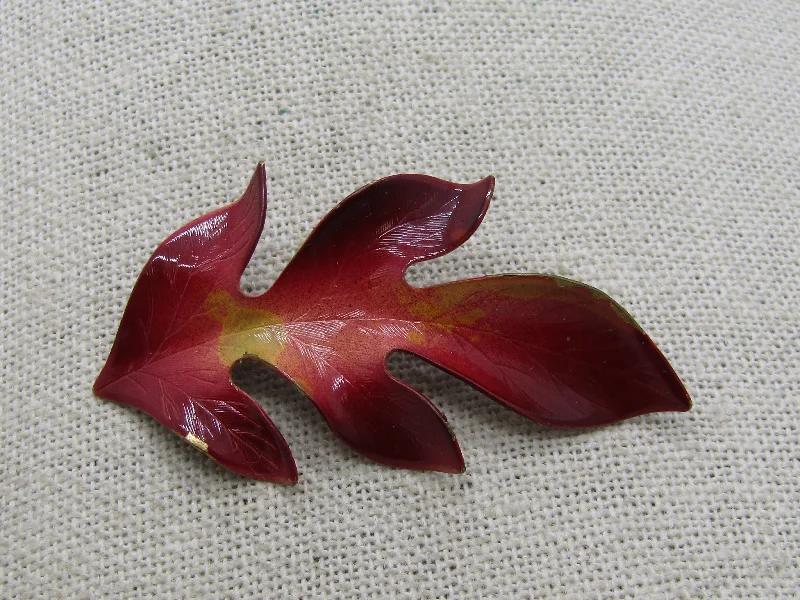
245	331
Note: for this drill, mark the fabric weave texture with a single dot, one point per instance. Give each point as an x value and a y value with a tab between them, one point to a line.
650	149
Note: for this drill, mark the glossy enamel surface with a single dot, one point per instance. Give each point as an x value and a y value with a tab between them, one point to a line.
554	350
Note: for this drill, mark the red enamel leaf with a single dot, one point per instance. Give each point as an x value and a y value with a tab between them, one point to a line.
556	351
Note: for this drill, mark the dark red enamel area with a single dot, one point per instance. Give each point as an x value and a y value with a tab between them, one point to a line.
369	239
556	351
376	415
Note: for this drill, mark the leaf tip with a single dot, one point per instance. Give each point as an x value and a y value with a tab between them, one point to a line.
287	475
101	384
276	466
681	401
675	397
448	459
487	185
481	193
256	191
474	199
455	467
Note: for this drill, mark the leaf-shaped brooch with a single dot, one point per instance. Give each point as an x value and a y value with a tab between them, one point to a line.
558	352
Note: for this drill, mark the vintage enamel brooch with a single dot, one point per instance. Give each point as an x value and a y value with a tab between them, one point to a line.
558	352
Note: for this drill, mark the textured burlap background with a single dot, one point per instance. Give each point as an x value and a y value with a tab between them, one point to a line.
650	149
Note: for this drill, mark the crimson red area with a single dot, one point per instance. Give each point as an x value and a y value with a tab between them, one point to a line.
558	352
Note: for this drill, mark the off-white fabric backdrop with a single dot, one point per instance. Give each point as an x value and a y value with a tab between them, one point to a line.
649	149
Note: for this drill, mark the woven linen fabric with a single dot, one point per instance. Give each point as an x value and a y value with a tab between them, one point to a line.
650	149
